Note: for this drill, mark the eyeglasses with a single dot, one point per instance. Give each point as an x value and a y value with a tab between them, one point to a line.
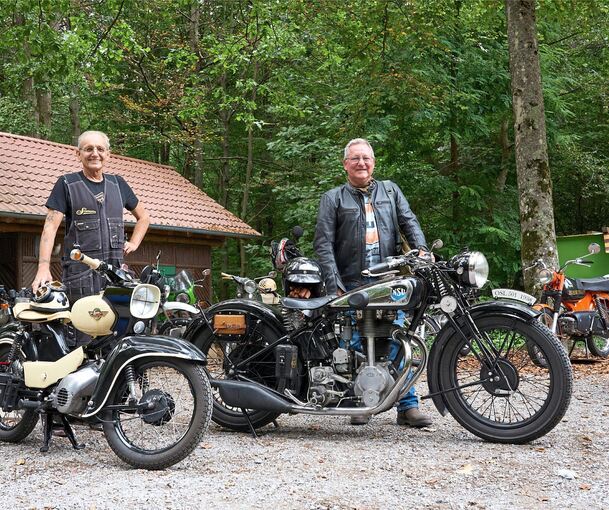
367	160
89	149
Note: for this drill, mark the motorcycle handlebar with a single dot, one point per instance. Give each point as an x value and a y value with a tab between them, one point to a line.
79	256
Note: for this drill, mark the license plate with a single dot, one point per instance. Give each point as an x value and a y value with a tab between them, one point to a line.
515	295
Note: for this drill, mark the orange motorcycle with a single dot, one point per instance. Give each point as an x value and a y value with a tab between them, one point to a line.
575	309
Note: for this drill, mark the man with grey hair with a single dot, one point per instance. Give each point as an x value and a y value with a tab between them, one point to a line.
359	225
93	204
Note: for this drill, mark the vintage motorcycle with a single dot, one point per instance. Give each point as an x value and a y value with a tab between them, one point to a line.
150	393
575	309
262	288
299	360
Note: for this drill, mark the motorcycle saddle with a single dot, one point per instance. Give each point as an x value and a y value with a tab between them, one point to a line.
23	312
592	284
306	304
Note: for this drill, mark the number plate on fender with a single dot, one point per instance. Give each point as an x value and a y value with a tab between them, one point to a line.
515	295
225	324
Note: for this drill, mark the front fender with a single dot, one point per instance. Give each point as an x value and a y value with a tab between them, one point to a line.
505	308
135	349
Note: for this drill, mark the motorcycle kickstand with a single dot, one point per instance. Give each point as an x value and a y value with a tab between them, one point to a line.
70	434
249	422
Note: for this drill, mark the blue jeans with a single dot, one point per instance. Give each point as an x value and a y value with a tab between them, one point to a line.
410	400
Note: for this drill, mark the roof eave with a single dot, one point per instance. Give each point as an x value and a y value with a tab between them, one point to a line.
167	228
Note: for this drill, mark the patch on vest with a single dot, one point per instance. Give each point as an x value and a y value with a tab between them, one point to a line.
84	211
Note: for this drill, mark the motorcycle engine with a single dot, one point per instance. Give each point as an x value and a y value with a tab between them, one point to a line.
372	383
73	391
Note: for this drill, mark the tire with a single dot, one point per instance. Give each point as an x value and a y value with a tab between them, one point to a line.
146	440
15	426
540	395
598	345
221	353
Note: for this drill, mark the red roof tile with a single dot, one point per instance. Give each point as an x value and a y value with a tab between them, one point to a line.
29	168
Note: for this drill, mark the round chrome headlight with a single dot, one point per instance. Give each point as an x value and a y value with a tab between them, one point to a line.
182	297
250	287
544	276
471	268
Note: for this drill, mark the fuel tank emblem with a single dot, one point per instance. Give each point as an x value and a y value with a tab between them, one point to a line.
97	314
399	294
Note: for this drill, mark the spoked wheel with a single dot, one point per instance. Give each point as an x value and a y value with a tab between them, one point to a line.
225	352
16	425
168	420
547	317
598	345
501	395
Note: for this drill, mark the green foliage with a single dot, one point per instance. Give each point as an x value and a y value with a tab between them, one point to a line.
426	81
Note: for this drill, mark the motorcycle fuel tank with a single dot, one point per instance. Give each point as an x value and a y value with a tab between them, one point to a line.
400	293
93	315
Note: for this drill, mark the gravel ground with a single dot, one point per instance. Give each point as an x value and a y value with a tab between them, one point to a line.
323	463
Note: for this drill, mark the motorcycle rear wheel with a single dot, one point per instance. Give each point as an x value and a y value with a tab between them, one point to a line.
515	400
222	354
168	432
598	345
16	425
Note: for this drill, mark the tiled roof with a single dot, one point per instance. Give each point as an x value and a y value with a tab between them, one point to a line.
29	168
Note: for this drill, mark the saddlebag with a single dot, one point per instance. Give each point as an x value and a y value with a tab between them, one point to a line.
226	324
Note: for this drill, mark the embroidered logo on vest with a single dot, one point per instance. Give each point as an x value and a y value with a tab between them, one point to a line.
84	210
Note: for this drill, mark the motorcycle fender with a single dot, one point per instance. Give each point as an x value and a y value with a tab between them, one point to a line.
205	321
172	306
138	349
435	354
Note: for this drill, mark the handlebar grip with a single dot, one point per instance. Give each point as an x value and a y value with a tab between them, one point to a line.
586	262
379	268
81	257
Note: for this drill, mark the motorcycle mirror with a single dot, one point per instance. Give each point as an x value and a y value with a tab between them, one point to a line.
594	248
297	232
437	244
206	272
272	274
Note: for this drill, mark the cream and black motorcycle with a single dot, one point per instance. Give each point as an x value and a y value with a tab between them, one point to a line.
151	394
302	358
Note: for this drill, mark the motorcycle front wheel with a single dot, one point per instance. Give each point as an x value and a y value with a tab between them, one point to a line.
498	392
15	425
172	414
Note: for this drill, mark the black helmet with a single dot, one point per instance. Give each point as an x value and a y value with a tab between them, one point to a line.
282	252
304	272
50	298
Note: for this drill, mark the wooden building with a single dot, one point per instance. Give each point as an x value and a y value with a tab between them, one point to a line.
185	223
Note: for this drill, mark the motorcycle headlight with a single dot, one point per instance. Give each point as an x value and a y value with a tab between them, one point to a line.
145	301
544	276
250	287
471	268
182	297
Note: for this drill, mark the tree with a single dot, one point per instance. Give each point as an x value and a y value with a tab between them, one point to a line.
534	183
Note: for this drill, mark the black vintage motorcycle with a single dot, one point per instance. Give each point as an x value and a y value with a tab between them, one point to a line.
265	363
151	394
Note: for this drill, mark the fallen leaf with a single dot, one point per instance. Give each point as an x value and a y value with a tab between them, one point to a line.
466	469
540	449
585	486
21	462
206	446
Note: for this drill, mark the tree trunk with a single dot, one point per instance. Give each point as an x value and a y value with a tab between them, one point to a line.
505	155
74	107
533	170
43	111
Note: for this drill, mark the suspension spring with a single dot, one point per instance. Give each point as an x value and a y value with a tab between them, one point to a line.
13	354
130	377
602	311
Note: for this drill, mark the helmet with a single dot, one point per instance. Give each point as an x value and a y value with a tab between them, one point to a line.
267	285
282	252
50	298
304	272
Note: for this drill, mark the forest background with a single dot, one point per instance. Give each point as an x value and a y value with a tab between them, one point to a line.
254	100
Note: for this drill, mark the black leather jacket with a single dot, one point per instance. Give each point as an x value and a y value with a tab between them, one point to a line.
340	234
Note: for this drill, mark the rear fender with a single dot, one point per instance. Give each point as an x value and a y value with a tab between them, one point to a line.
202	326
138	349
507	309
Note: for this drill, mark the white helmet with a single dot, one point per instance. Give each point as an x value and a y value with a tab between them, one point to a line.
50	298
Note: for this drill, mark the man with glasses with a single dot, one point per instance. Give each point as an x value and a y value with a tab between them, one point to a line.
92	203
356	228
